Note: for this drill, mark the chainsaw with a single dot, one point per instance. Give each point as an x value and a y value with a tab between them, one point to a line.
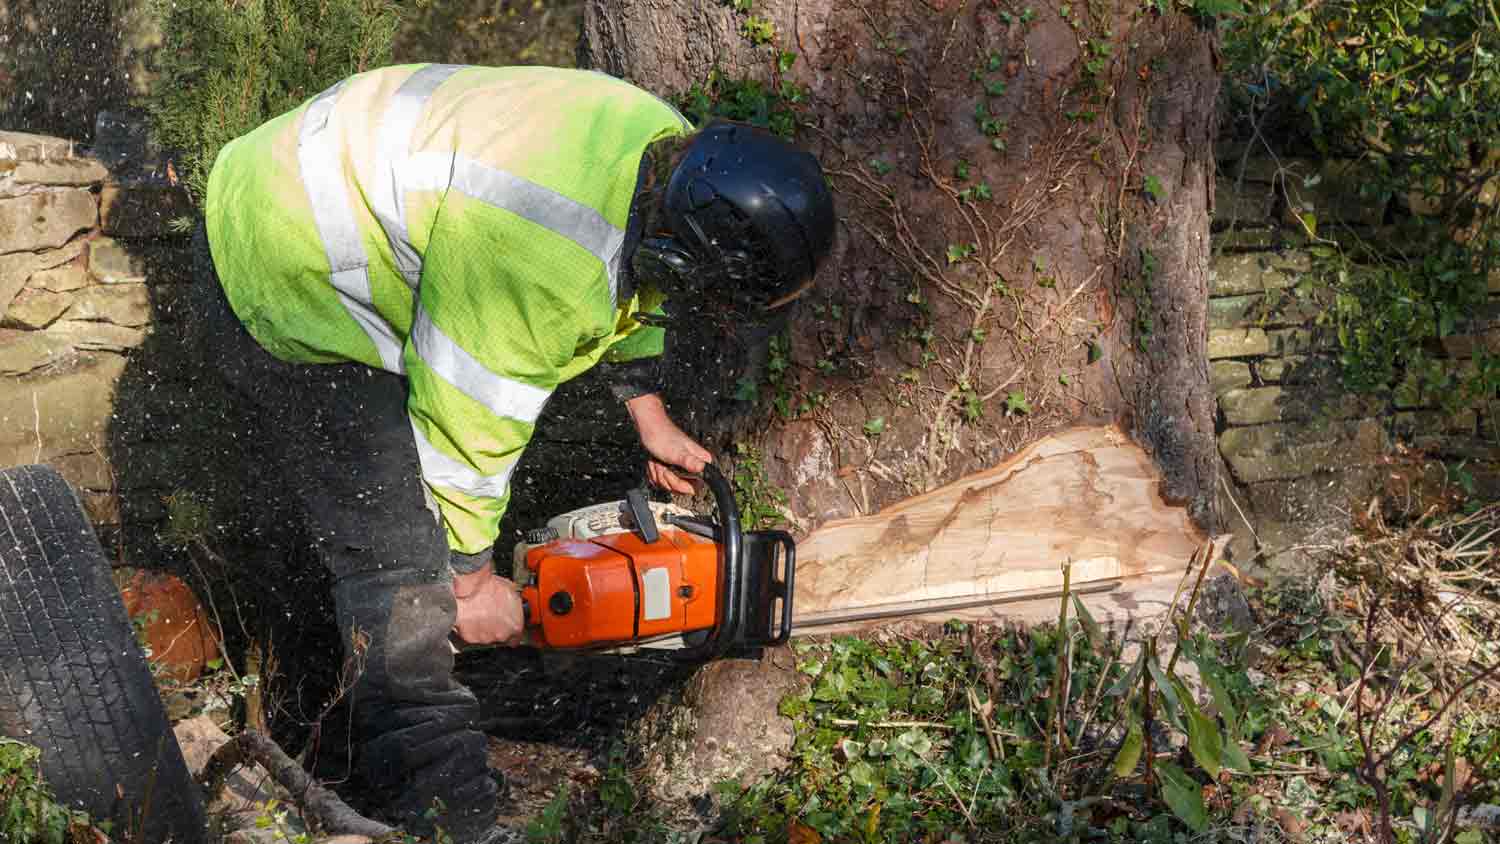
622	576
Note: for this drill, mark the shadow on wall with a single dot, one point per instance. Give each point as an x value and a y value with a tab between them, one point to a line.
64	61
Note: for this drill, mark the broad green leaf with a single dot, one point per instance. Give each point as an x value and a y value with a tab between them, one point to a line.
1090	626
1130	750
1222	701
1183	796
1204	741
1168	693
1132	676
1234	757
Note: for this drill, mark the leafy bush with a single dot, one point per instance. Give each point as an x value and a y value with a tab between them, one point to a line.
1408	89
227	67
28	810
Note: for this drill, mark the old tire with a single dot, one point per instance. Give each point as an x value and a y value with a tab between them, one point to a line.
73	680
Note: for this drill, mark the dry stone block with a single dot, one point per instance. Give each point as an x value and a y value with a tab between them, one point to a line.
1331	191
27	351
1227	375
1242	239
102	508
1468	345
1301	504
1281	451
24	146
60	279
1237	343
24	352
1297	341
45	219
1272	370
1246	204
36	309
1235	311
1258	405
17	269
95	336
85	470
1416	423
1459	448
1241	274
60	412
142	210
59	172
121	304
1235	166
1296	369
111	263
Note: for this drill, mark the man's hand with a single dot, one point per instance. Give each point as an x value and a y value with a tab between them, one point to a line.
489	609
666	443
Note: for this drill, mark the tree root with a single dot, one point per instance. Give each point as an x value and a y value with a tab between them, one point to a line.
324	808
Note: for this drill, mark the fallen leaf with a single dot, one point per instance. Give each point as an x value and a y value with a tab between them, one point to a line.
1293	826
800	834
1356	821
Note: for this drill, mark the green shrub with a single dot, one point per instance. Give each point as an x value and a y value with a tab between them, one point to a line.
1409	90
28	810
229	65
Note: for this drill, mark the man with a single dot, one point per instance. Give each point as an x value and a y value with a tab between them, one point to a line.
399	272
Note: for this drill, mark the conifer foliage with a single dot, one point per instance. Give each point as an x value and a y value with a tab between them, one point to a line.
226	66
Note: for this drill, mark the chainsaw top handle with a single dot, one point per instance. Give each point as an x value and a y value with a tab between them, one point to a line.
731	602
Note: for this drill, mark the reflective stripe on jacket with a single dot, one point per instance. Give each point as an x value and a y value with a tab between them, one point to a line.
461	226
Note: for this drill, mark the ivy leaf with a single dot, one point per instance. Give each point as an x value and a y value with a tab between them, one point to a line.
959	251
1095	352
1154	188
1015	402
875	427
1214	8
746	390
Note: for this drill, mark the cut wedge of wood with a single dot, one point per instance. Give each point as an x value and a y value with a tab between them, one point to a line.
1085	496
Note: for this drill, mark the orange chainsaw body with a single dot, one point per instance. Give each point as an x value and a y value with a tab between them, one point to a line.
620	588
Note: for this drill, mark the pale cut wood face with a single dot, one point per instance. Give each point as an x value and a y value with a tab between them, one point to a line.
1086	495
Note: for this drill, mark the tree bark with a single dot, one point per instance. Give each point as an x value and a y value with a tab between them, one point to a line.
1024	195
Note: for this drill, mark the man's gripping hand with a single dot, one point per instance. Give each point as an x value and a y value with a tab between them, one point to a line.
667	444
489	609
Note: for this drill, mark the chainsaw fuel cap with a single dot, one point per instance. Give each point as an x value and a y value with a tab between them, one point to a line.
561	603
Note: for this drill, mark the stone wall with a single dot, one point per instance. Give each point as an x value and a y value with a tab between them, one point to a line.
1301	452
90	272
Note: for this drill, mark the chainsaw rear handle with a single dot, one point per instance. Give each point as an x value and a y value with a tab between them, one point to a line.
731	603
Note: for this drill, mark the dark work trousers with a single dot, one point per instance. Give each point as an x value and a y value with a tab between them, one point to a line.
339	438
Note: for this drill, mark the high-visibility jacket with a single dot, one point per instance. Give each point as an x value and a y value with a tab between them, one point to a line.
459	225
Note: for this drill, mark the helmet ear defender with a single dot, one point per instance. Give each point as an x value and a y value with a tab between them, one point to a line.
744	221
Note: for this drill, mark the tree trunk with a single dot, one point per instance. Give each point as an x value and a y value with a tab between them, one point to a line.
1024	199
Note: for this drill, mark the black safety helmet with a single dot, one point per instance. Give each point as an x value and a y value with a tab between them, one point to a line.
744	220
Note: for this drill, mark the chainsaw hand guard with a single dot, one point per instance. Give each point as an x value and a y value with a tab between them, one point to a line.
748	585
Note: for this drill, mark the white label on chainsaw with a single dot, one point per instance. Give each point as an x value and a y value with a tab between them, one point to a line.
656	604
